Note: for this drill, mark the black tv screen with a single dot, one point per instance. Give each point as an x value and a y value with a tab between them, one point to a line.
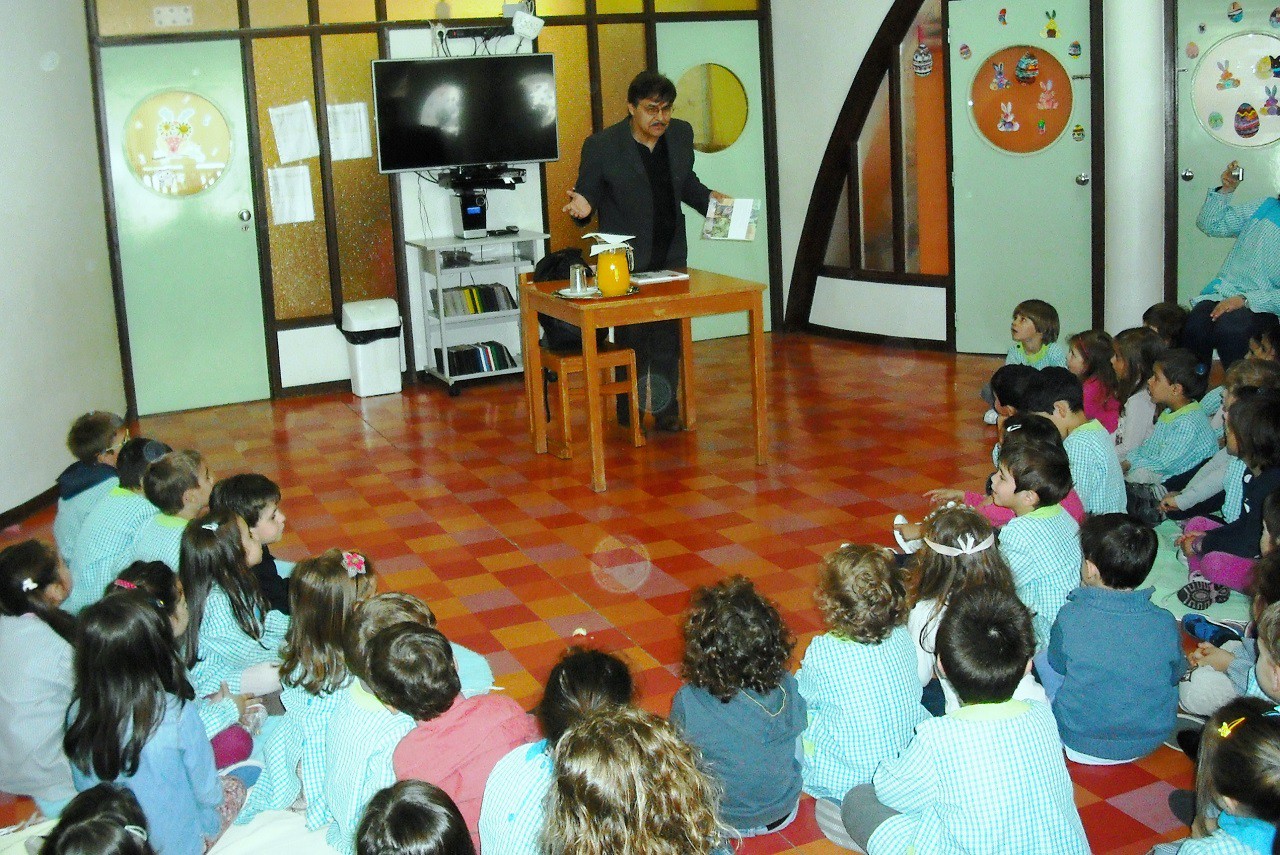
464	111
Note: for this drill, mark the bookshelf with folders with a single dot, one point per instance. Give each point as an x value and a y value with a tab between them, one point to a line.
470	303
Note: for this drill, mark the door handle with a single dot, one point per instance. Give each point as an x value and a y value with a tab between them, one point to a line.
1187	175
1082	179
245	215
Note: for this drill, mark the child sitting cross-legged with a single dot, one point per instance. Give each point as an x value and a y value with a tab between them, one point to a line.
457	740
988	777
413	817
1095	469
1114	659
178	484
1034	330
859	678
256	500
1041	543
95	439
1136	352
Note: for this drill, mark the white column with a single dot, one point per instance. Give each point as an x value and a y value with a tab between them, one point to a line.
1133	44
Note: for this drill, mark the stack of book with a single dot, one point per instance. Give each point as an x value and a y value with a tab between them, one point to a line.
473	300
476	358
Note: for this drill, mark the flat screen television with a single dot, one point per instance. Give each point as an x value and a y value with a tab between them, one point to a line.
453	112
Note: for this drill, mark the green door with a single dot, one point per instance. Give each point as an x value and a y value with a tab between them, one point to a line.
1227	110
180	174
1023	191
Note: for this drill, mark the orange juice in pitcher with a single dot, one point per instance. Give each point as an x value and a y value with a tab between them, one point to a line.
613	271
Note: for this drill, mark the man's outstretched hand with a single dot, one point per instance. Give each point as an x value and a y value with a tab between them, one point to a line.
578	208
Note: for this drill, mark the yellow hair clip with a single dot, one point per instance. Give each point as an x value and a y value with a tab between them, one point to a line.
1224	729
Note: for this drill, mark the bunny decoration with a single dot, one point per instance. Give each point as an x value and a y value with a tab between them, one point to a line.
1227	80
1000	81
1272	107
1051	28
1007	121
1048	100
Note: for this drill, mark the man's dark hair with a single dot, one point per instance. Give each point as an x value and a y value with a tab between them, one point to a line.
411	668
651	84
1122	548
1009	384
244	495
985	641
135	456
1181	367
1053	384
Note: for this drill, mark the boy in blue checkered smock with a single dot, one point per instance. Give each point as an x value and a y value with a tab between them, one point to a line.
1034	330
1041	544
512	813
95	439
987	778
1058	395
178	484
106	538
858	679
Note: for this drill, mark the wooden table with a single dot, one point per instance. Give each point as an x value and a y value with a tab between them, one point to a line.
703	293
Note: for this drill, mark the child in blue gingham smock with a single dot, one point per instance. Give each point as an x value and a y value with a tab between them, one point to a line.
859	679
1182	438
94	440
178	484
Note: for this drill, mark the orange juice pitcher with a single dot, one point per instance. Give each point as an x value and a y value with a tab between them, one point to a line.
613	271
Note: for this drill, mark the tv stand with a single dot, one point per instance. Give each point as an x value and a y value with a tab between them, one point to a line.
496	176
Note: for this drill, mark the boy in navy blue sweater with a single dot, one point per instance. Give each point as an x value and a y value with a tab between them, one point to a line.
1113	662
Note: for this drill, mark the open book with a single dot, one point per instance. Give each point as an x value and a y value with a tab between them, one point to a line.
652	276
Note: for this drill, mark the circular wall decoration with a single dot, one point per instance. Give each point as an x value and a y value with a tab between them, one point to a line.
177	143
712	99
1020	99
1234	90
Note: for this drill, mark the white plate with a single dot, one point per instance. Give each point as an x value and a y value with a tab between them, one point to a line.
585	293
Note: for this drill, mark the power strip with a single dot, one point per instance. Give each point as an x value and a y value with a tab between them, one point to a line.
483	33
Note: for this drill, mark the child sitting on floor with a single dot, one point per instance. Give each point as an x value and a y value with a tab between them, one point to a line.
1266	344
513	811
1041	543
1136	352
106	538
1166	320
94	441
1034	331
859	678
1095	469
1181	440
103	820
987	778
1090	359
413	817
256	500
740	705
178	484
457	741
1114	659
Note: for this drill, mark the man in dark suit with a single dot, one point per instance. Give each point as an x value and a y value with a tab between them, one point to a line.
633	177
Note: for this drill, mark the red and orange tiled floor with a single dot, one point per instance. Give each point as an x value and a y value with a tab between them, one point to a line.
515	552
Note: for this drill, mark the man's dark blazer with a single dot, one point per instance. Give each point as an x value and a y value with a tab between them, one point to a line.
612	178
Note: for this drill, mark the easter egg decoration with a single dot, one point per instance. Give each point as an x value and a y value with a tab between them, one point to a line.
1246	121
1235	12
1027	69
922	60
1275	18
1077	133
965	51
1073	50
1215	120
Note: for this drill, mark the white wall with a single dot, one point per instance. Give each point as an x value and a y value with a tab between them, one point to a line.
58	346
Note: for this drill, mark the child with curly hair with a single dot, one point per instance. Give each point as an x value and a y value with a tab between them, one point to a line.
740	706
858	679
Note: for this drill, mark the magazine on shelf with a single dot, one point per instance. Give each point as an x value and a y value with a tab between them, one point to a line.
731	219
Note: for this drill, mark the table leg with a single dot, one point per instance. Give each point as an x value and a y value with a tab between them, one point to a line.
595	429
533	379
756	318
688	404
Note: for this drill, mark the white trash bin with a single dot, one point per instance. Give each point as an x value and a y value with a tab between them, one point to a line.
372	331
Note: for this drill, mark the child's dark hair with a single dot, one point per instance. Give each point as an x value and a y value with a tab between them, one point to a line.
1122	549
1010	382
413	818
169	478
735	639
372	617
1036	465
583	680
1051	385
1271	515
935	576
1139	348
861	593
245	495
323	594
1254	420
1029	429
134	458
1269	336
985	641
155	579
103	820
1264	582
126	666
1096	349
1181	367
92	434
411	668
1042	315
1166	320
26	570
213	554
1240	759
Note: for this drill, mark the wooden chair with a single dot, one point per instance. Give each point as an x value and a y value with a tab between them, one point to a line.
563	365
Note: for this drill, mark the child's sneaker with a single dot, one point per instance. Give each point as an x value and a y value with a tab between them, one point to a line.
1216	632
1199	594
990	417
827	813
